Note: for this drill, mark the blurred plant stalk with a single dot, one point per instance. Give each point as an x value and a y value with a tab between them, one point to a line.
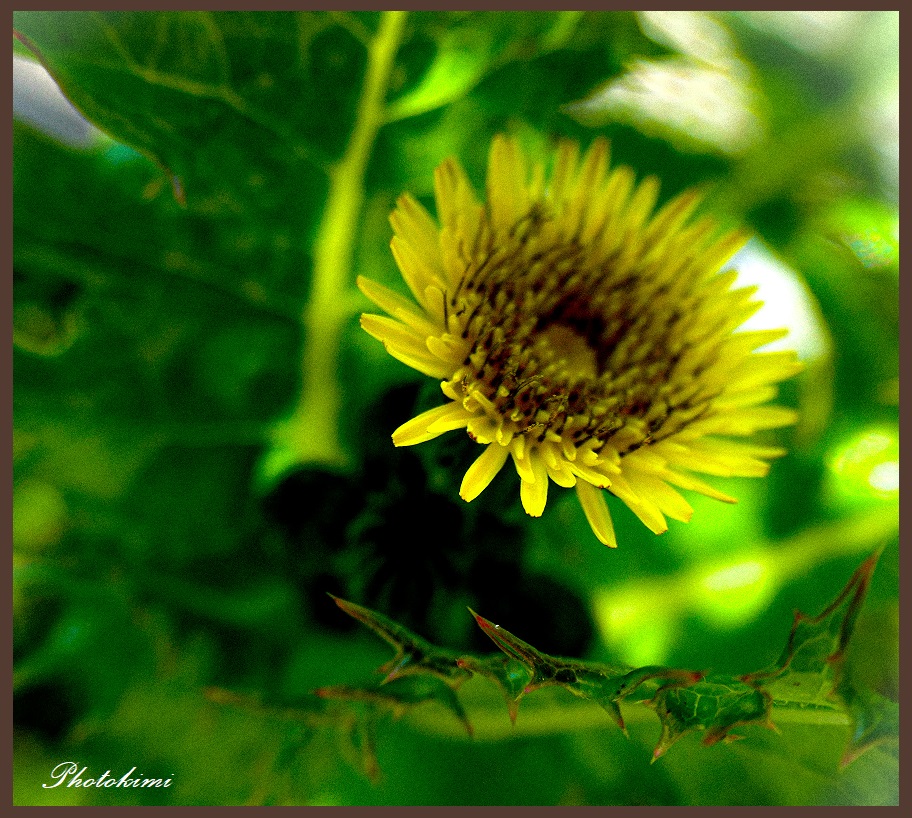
311	434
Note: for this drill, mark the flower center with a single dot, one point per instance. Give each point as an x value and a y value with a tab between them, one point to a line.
563	343
571	349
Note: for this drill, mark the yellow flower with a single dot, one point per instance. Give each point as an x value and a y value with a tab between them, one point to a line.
576	332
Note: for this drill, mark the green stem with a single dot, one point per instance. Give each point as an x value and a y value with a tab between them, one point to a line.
566	714
312	434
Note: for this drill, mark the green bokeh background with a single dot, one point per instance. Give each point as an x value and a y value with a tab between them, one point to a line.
200	453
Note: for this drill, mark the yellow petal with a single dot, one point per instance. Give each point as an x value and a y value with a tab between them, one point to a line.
666	499
688	481
397	306
414	224
650	515
745	397
483	471
595	165
590	474
748	341
614	201
435	304
449	349
430	424
641	505
722	250
506	182
672	216
452	192
522	460
562	476
416	271
768	417
596	510
405	345
564	170
591	178
452	256
537	182
641	204
557	466
746	421
534	494
425	364
725	459
767	367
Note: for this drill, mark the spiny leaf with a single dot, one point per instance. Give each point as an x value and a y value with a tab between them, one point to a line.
511	675
716	705
401	694
875	720
358	741
808	676
604	684
809	671
308	712
413	654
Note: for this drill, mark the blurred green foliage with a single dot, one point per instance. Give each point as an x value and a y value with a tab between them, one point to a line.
201	442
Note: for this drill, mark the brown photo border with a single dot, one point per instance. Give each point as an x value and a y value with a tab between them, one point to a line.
6	366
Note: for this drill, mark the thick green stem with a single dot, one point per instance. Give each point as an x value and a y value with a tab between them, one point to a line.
558	714
312	434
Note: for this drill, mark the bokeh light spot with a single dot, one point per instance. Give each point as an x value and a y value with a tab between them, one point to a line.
736	576
866	467
732	595
885	476
787	302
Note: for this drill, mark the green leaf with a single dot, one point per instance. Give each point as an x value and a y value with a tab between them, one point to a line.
459	63
138	287
205	95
